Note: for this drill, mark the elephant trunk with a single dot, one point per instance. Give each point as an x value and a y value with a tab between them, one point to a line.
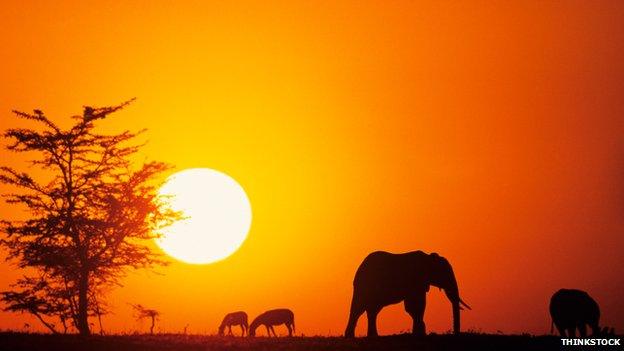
452	292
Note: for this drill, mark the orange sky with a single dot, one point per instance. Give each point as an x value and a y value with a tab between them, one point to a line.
490	133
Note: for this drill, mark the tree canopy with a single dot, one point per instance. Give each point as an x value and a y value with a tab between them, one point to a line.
90	217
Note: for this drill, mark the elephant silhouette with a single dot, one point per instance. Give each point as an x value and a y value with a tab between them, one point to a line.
573	309
385	278
234	318
271	318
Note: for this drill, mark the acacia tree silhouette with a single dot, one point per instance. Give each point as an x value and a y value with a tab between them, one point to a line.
141	312
90	216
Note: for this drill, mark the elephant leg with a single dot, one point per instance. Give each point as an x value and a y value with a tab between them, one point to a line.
268	330
354	315
273	330
242	330
371	314
582	329
415	307
561	331
230	329
289	329
595	329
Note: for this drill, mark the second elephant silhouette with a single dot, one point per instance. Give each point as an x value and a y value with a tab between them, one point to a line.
573	309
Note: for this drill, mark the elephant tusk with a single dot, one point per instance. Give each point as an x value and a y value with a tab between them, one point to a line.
465	304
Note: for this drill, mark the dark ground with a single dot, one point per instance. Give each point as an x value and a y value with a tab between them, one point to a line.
174	342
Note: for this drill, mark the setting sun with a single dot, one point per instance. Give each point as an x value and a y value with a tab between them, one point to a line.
216	211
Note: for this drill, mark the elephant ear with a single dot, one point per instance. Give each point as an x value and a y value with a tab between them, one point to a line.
430	267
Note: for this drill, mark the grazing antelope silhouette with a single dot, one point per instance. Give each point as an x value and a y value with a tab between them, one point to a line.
271	318
234	318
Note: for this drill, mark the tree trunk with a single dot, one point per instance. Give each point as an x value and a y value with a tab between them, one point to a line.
152	327
83	304
64	322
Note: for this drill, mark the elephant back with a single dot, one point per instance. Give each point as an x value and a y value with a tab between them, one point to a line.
384	270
